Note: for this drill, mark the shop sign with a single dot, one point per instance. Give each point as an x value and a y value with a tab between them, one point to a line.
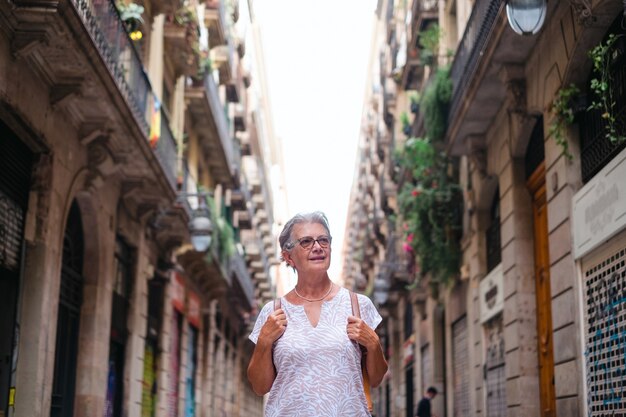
193	309
491	293
178	292
599	208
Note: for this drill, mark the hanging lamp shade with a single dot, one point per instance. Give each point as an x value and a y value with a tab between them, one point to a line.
526	17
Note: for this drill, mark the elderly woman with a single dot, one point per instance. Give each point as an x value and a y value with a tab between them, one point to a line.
307	353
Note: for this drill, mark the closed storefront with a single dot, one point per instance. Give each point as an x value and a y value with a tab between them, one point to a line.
15	167
460	365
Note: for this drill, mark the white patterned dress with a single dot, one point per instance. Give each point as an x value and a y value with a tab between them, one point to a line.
318	369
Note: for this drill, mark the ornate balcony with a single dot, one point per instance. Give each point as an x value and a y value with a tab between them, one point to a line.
242	285
215	22
222	57
83	53
181	35
209	120
483	72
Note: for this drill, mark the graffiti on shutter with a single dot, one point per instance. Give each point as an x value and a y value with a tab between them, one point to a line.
495	377
461	365
605	334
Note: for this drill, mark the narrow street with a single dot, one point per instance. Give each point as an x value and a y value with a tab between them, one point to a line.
148	147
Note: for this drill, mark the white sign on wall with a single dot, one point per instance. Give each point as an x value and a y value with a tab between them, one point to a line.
599	208
491	293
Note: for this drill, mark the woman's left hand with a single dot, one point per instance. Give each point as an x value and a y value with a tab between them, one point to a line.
375	361
360	332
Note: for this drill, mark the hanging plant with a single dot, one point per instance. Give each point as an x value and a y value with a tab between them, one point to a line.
406	124
603	99
429	44
435	102
414	99
563	109
430	208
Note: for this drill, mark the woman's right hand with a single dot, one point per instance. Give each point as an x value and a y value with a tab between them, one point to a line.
274	327
261	371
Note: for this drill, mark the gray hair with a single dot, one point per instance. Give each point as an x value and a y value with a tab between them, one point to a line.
285	239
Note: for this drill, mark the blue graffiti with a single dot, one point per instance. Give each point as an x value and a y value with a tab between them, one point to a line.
605	345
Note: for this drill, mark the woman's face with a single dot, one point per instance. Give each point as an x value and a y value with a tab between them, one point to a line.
315	258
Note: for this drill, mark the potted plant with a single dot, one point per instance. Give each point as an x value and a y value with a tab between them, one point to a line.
131	16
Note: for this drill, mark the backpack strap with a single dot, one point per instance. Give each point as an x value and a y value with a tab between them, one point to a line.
276	304
356	312
354	301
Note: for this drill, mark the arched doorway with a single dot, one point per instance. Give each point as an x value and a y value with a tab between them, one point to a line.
68	321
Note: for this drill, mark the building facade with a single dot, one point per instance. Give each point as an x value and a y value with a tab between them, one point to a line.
527	208
137	234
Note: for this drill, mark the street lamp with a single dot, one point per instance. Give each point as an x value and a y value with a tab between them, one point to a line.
381	291
200	226
526	16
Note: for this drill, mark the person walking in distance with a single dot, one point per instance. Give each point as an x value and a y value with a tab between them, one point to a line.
424	406
311	344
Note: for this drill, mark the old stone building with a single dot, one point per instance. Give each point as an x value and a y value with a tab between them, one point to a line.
526	211
137	226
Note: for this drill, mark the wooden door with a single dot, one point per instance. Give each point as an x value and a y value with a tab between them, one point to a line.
537	187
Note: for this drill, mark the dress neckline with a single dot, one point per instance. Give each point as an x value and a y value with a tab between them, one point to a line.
341	290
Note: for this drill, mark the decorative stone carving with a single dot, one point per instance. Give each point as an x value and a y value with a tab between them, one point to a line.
62	92
25	42
477	153
582	9
100	163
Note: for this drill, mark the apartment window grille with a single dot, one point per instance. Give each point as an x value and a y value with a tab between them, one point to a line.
461	366
605	334
596	149
494	249
495	378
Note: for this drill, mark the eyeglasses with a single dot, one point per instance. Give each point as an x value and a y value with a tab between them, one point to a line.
307	242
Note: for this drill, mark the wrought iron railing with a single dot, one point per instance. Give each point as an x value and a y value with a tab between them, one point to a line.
470	50
238	266
221	123
165	151
107	31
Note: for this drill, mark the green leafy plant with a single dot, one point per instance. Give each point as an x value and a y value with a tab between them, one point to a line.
562	108
603	100
429	43
414	100
435	104
430	210
223	233
406	124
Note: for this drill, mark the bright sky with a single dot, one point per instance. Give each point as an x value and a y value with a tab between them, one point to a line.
316	56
